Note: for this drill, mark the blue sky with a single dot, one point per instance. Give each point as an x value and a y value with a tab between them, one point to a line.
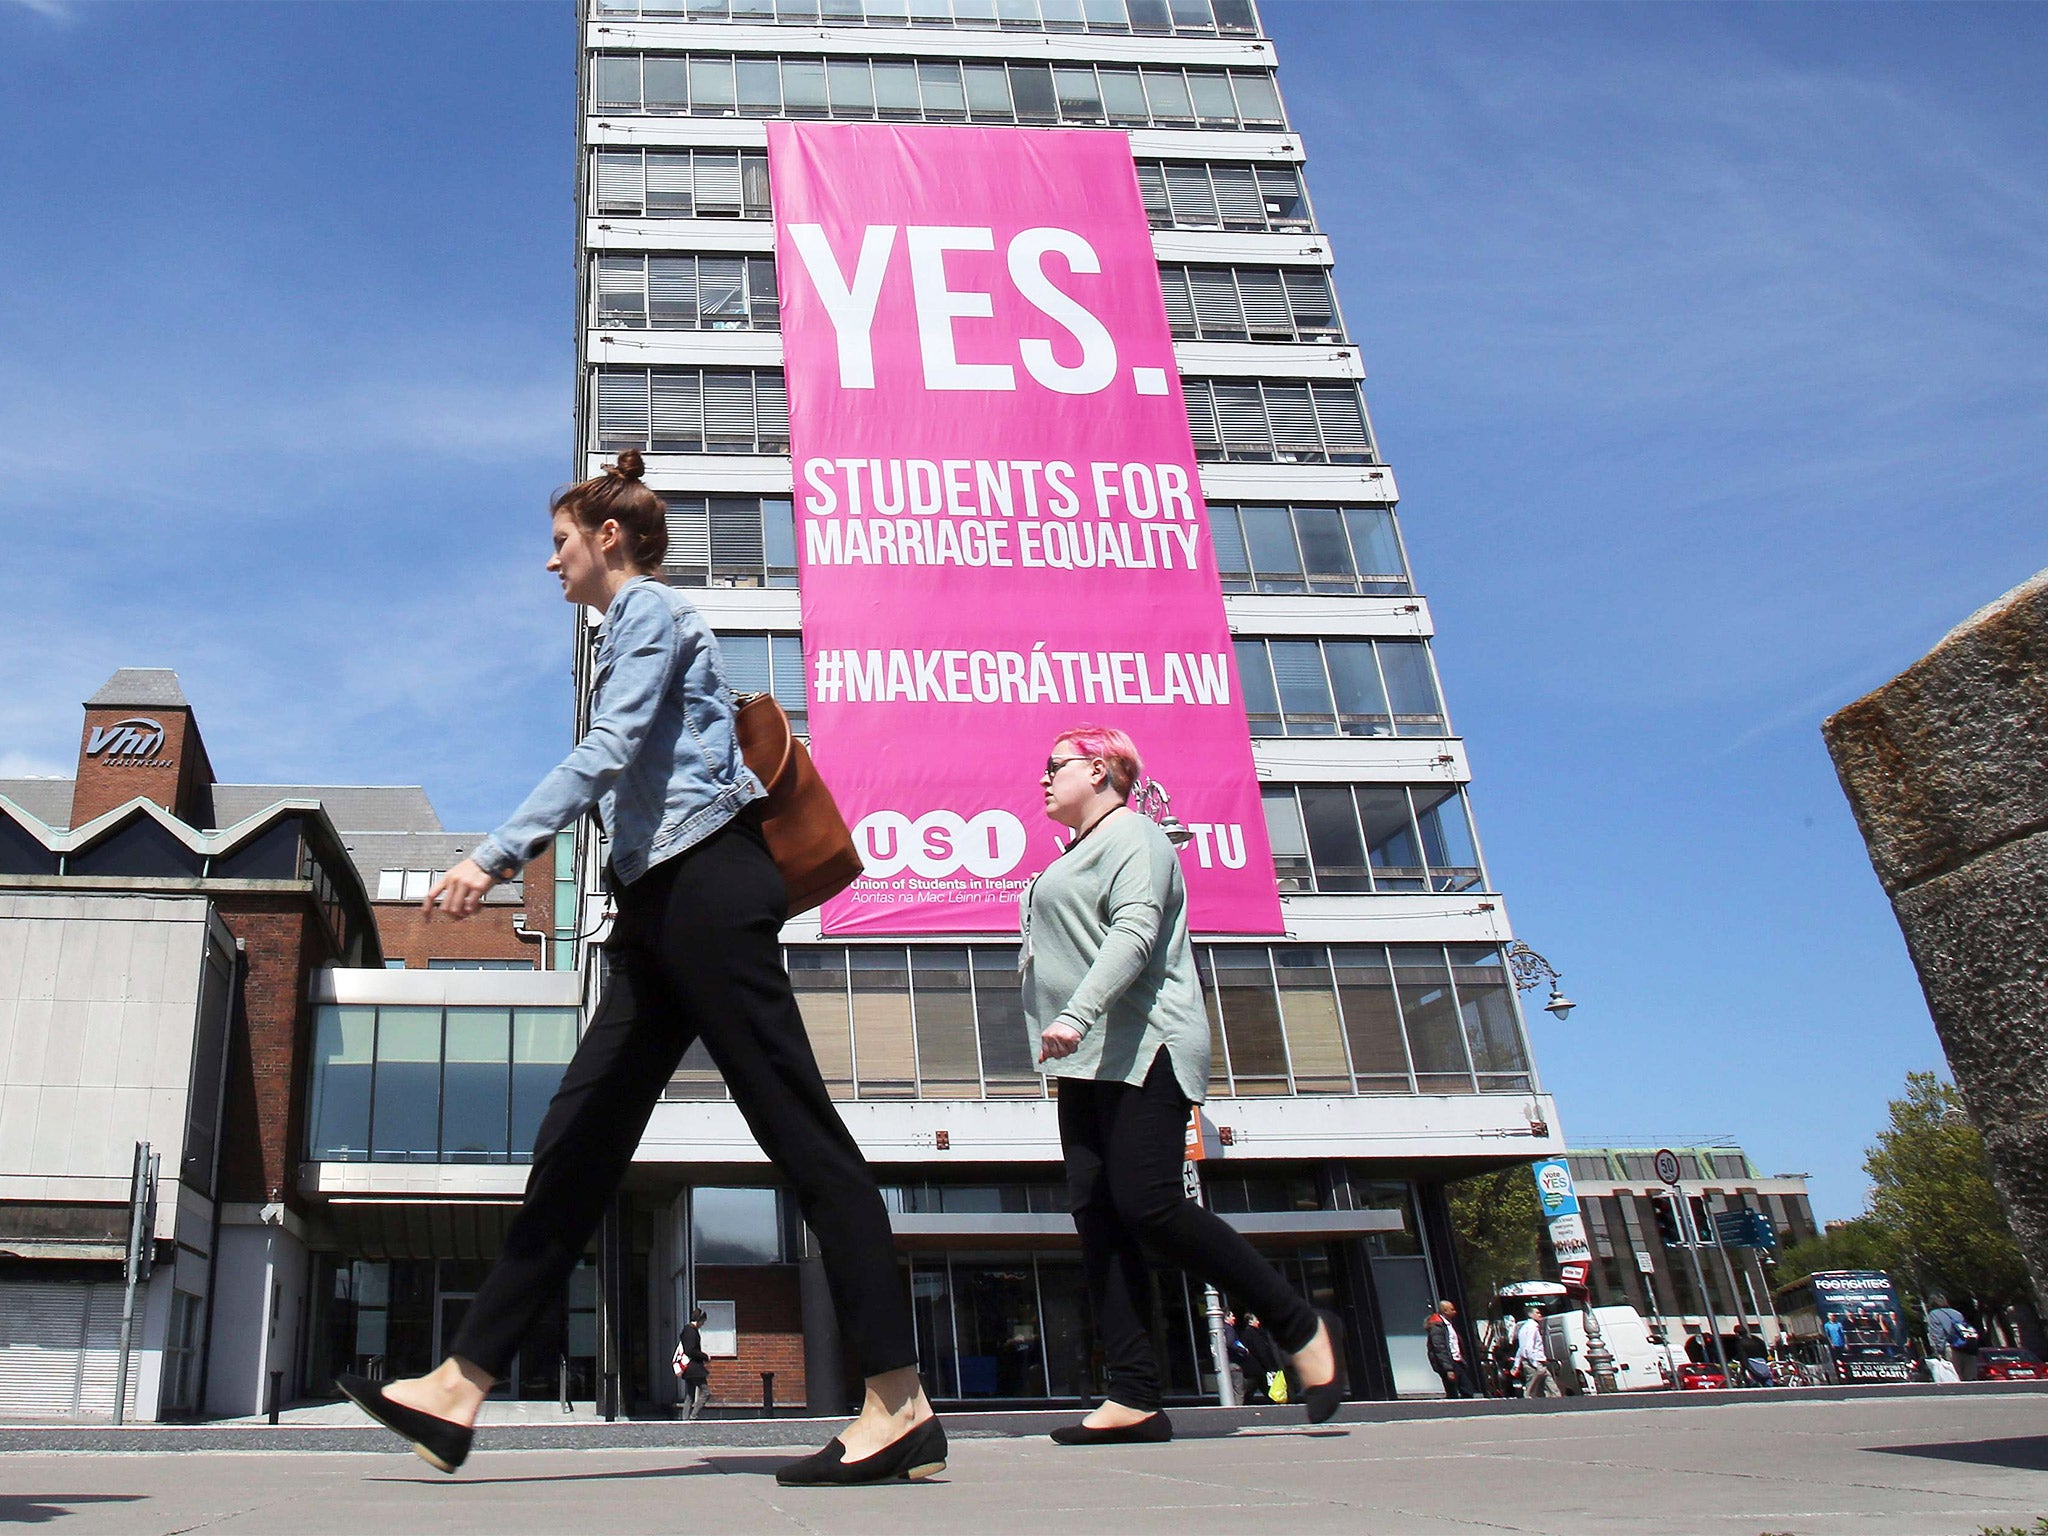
1708	345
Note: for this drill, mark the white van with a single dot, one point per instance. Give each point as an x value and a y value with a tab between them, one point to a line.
1639	1364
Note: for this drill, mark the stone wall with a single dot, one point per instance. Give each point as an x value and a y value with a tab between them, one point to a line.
1946	769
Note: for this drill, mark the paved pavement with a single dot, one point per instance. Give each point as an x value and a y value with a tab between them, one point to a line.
1876	1465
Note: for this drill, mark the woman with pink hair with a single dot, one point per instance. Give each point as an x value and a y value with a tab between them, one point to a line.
1109	985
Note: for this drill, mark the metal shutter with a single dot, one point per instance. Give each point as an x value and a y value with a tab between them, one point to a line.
621	408
58	1344
677	412
1243	418
1314	309
789	677
670	185
1180	309
689	535
771	412
722	290
1342	415
1152	187
1194	201
1266	313
621	290
718	184
736	549
672	292
1237	197
745	658
1201	416
618	182
1280	190
729	412
1216	308
1294	422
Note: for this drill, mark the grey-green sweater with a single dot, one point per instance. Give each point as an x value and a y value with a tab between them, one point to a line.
1105	936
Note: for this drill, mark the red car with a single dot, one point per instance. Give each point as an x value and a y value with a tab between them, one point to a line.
1701	1378
2009	1365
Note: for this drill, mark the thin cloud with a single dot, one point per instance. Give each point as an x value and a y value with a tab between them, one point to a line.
53	10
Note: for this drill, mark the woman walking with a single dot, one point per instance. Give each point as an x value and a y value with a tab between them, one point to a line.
1109	984
692	1365
694	953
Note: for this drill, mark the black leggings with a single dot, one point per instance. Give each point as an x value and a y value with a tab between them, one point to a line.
695	954
1123	1148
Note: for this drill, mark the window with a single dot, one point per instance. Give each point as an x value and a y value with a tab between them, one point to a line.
1187	18
690	410
480	965
1272	422
735	1226
730	541
1341	687
1354	838
1308	549
905	90
681	183
758	663
1249	304
684	293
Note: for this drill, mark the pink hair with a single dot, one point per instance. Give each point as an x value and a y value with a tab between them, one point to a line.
1117	751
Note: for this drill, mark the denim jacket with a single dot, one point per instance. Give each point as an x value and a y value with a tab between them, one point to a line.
661	760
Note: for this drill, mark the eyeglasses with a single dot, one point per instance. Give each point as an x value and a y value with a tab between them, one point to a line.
1054	764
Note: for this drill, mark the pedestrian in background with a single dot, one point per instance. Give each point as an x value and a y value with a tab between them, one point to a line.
1446	1353
1263	1354
692	1364
1532	1358
1109	989
1952	1339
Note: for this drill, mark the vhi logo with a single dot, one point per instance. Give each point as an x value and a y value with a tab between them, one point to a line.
939	843
137	736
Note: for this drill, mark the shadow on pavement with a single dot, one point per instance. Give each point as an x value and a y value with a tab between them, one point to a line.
2027	1453
459	1481
42	1508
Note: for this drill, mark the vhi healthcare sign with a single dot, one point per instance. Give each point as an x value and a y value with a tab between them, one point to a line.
1000	521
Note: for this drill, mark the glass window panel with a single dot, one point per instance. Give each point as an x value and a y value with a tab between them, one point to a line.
1020	14
1340	413
1063	16
760	87
696	1076
947	1064
803	87
618	183
933	13
754	185
1258	99
1166	94
788	668
734	1226
736	543
1219	1047
1372	1021
1447	844
1200	400
1289	841
1376	548
1294	424
1241	411
882	1036
476	1091
764	302
1031	86
721	292
677	412
1315	1032
1211	94
667	84
1106	15
842	11
945	98
344	1042
746	10
1266	314
543	1040
1150	16
1237	197
1304	690
1361	700
1123	98
1216	303
746	662
618	82
1313	305
1180	304
1080	96
975	13
1389	837
1435	1036
852	87
896	89
1192	194
1008	1053
1255	679
1411	688
711	87
672	292
888	13
1325	550
1151	187
818	977
621	283
1251	1018
1486	1001
778	534
1192	16
1276	562
688	561
796	12
1233	561
988	93
1235	16
717	175
405	1122
1333	840
1286	205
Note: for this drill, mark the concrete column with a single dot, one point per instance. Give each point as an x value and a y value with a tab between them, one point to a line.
1946	769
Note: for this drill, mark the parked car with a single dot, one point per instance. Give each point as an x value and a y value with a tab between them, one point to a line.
2009	1365
1701	1378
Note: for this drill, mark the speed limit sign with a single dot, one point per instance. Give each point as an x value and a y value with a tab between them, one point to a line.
1667	1165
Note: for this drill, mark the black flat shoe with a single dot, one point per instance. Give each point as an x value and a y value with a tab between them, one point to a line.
1153	1429
439	1442
1321	1402
910	1458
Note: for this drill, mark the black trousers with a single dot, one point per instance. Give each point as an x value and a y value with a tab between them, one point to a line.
1123	1148
1456	1383
695	955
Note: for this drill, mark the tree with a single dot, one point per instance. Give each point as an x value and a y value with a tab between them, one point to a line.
1858	1244
1497	1225
1931	1194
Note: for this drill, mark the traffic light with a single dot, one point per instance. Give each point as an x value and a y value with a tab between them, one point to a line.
1666	1208
1702	1223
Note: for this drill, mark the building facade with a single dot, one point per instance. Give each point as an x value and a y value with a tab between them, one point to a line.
1639	1254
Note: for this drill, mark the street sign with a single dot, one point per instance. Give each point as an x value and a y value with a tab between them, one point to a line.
1733	1228
1644	1262
1667	1165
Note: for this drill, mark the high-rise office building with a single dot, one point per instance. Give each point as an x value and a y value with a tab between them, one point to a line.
1365	1055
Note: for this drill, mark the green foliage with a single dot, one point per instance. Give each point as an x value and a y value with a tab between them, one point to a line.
1858	1244
1497	1224
2038	1528
1933	1200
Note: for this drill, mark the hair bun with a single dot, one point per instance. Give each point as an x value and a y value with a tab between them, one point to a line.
630	465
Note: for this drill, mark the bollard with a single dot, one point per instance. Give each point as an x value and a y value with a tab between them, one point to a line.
276	1392
767	1394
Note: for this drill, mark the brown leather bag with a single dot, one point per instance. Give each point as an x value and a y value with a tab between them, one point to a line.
806	834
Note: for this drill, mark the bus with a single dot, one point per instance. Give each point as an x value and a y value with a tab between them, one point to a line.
1849	1322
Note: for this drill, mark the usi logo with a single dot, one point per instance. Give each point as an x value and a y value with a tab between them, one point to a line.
939	843
137	736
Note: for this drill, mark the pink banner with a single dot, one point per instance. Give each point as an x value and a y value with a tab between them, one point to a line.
999	519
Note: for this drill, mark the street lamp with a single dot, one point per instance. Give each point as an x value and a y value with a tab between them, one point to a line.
1531	968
